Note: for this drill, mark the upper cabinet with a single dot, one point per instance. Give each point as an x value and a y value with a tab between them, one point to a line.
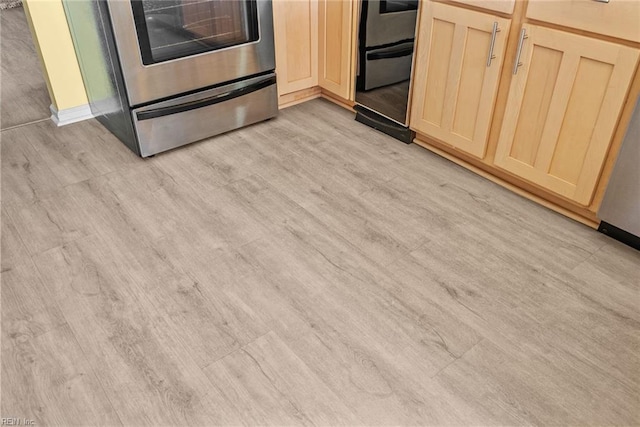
456	73
296	39
337	33
615	18
563	106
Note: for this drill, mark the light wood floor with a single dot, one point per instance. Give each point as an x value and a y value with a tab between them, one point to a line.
306	270
23	89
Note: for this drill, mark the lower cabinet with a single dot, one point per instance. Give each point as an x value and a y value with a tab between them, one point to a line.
313	40
459	58
563	107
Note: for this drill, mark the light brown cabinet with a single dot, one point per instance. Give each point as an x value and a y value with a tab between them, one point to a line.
314	43
459	58
548	120
504	6
296	39
335	46
563	106
615	18
549	126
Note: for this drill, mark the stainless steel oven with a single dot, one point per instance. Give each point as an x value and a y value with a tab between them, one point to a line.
168	47
175	71
386	35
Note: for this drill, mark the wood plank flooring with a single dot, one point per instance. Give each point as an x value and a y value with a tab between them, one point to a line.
303	271
23	91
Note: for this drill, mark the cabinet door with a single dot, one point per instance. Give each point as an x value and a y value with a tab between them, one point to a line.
455	82
296	39
563	107
336	38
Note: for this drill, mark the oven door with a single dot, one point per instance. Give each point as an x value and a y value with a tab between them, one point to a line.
388	22
170	47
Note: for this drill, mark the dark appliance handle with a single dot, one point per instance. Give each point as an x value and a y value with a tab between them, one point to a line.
188	106
398	53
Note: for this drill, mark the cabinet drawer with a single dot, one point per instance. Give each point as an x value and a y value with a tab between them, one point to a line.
504	6
616	18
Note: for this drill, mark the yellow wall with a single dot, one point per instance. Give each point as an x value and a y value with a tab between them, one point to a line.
53	42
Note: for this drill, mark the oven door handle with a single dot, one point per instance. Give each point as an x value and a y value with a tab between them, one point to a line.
389	54
188	106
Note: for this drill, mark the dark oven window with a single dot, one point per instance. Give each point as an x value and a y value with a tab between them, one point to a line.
390	6
170	29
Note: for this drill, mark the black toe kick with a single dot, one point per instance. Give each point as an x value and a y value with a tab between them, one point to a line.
620	235
383	124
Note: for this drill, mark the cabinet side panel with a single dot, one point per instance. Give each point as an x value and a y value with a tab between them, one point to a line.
543	75
333	45
441	49
298	18
585	103
335	19
295	31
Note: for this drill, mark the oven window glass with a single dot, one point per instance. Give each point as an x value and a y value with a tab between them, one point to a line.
170	29
389	6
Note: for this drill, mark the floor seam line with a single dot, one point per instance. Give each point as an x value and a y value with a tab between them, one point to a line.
24	124
456	359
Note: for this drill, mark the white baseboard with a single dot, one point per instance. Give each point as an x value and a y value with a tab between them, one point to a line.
70	115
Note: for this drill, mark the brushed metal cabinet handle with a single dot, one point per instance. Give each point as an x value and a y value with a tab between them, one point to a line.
517	64
494	34
602	1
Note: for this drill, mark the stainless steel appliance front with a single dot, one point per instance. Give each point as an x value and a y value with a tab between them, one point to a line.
388	22
179	121
151	81
386	34
620	209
